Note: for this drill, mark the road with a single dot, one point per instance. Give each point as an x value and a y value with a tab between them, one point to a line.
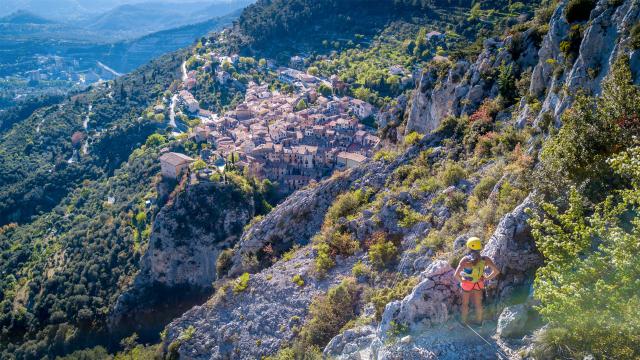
184	71
115	73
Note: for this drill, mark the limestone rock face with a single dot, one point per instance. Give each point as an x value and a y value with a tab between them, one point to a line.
187	255
256	321
606	38
463	87
428	304
512	321
513	250
187	236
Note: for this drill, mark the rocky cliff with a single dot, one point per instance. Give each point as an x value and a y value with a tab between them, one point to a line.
179	266
453	89
428	312
567	58
560	73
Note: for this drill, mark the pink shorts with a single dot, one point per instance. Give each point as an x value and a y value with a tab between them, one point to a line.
470	286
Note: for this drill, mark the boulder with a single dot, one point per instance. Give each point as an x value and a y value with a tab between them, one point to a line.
513	250
512	321
429	303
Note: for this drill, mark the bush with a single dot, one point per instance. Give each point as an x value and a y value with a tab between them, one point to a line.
484	187
223	263
360	270
324	261
381	297
382	251
347	204
329	313
412	138
386	155
578	10
451	174
241	283
298	280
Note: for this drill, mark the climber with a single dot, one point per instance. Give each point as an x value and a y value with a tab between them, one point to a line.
471	274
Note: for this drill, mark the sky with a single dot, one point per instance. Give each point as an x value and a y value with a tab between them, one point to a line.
70	9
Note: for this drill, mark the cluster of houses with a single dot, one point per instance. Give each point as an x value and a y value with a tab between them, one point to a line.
290	138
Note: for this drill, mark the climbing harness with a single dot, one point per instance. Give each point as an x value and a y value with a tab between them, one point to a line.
485	340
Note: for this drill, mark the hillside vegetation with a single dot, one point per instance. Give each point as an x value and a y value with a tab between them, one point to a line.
518	124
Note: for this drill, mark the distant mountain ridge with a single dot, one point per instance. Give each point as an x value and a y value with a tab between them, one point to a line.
24	17
134	20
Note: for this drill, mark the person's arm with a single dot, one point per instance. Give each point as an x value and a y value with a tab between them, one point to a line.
456	274
494	269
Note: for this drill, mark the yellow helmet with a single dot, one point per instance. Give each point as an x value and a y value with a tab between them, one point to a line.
474	243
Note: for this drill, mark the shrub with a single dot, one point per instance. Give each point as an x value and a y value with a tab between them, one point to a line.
408	216
386	155
347	204
223	263
382	296
289	254
342	243
329	313
324	261
451	174
397	329
484	187
298	280
381	251
412	138
360	270
241	283
578	10
199	165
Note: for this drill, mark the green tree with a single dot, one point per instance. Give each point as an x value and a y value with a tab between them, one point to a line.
594	129
199	165
588	288
506	82
325	89
301	105
155	140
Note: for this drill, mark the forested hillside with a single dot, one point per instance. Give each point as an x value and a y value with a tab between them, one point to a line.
35	152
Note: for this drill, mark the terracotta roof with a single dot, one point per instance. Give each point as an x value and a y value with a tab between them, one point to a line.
352	156
175	158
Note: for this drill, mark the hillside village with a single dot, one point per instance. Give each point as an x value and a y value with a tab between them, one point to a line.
290	138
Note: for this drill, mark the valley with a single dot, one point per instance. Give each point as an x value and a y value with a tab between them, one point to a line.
41	57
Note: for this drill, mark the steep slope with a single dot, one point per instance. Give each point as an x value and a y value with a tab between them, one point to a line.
424	203
179	266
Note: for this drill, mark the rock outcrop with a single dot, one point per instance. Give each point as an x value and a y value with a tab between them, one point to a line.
512	321
457	89
605	38
513	250
188	234
426	313
255	321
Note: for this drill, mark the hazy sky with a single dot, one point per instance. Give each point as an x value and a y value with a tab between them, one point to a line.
69	9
